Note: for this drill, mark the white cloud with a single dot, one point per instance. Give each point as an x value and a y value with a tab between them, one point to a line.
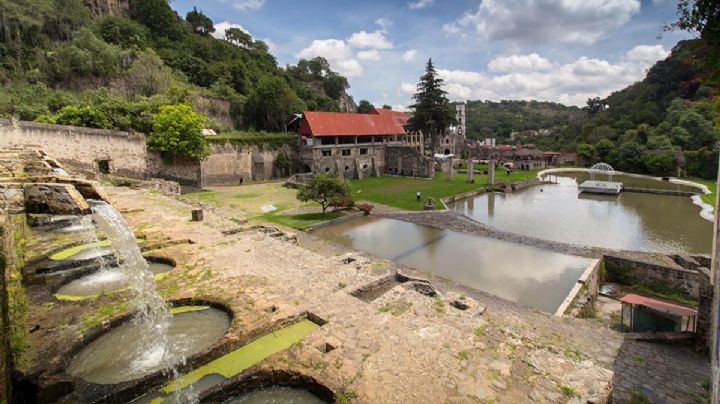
372	40
407	88
384	24
248	4
531	62
538	21
409	55
222	26
570	83
337	52
371	54
418	4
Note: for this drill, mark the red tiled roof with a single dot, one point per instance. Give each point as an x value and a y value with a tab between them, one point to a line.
658	305
346	124
401	118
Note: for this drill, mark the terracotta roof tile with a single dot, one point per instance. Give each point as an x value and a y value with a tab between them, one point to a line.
347	124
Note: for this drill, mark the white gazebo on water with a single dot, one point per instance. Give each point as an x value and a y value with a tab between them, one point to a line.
595	186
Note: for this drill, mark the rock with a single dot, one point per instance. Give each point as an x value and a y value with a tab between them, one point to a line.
502	366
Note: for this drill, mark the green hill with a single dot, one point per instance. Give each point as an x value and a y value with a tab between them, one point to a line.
118	62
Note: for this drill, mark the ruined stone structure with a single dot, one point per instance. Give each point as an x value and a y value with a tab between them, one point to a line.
404	160
102	8
94	152
453	141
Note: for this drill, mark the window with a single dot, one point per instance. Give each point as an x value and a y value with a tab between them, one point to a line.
364	166
347	168
327	153
327	169
104	166
363	150
345	152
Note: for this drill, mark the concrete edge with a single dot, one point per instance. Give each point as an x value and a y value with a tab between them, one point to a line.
576	288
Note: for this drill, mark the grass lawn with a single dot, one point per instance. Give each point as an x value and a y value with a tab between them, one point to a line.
300	221
399	192
707	198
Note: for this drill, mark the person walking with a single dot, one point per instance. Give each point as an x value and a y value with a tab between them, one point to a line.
417	195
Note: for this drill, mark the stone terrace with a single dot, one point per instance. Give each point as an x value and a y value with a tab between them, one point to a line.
402	347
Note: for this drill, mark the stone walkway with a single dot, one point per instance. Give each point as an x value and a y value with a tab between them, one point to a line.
662	373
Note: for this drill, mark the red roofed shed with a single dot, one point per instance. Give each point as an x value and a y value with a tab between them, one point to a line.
319	124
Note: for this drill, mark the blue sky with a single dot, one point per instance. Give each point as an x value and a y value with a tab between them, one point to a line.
555	50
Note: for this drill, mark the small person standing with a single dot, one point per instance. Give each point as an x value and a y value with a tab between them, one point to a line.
417	195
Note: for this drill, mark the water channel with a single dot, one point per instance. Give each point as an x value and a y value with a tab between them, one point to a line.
526	275
630	221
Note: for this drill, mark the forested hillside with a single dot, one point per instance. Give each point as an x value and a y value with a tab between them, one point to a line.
61	62
485	119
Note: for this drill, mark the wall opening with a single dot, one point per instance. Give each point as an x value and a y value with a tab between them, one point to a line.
104	166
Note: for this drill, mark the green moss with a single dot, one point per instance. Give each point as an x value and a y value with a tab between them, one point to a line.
246	356
186	309
569	392
301	221
463	355
17	299
95	319
345	397
69	252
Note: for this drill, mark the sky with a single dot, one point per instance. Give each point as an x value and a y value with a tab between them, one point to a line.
552	50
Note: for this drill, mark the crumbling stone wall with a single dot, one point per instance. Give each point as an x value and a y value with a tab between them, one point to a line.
405	160
80	148
345	160
182	171
229	162
581	300
627	271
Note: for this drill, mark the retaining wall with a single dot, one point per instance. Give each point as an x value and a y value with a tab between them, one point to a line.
228	163
627	271
81	148
580	302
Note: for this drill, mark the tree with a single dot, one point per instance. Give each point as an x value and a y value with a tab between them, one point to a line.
176	133
595	105
701	16
325	189
199	22
271	103
432	112
604	148
238	37
586	152
157	16
365	107
630	157
86	116
123	32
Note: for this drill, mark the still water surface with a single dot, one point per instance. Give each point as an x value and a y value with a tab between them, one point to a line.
631	221
526	275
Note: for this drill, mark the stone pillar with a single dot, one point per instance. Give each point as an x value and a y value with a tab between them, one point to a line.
399	165
491	172
450	168
713	342
470	171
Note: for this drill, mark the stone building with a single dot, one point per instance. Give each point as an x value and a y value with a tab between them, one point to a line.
453	141
357	145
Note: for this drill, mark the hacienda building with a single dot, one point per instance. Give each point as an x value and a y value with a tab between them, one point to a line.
360	145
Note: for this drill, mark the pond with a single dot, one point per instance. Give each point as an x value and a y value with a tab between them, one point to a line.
526	275
629	221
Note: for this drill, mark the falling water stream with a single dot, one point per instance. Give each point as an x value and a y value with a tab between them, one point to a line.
152	320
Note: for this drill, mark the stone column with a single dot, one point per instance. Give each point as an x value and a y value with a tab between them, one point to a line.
450	168
713	342
470	171
491	172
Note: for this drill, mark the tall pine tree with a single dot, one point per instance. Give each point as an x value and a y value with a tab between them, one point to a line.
432	111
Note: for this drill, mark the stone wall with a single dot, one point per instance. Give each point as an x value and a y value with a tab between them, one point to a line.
580	302
228	163
80	148
216	109
182	171
405	160
345	160
627	271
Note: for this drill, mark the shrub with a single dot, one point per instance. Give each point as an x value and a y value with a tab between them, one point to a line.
366	208
327	190
176	133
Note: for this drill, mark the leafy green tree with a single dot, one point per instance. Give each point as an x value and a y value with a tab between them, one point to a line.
659	163
595	105
176	133
325	189
271	103
604	149
148	74
86	116
630	157
334	84
586	152
199	22
365	107
85	55
123	32
385	106
432	111
158	17
238	37
699	16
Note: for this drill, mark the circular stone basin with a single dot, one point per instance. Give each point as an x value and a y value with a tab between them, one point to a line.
105	281
277	395
83	251
120	354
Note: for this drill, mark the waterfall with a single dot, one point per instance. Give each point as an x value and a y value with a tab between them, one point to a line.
155	350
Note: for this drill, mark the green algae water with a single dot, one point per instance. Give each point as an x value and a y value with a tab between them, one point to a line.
235	362
104	281
119	355
83	251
